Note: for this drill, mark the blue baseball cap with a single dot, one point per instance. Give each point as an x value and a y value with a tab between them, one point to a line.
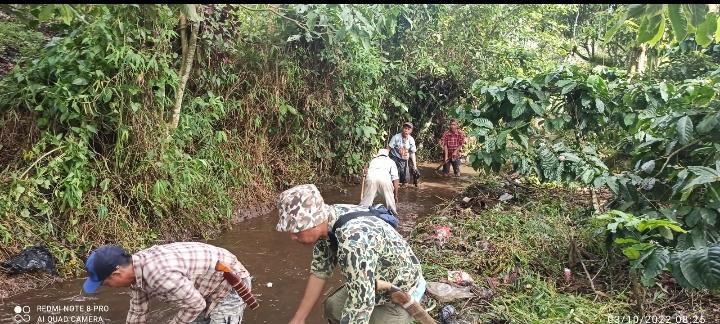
101	264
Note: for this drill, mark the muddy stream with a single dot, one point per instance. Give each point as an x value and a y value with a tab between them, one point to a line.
270	256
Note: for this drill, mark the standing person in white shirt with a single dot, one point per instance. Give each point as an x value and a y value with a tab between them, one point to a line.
402	148
382	177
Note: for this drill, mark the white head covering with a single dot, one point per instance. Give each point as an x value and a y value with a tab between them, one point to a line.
383	152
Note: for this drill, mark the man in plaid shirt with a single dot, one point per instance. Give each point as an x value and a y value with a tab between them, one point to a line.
452	141
182	273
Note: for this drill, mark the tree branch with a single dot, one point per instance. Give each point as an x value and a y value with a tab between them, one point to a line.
187	64
299	24
673	154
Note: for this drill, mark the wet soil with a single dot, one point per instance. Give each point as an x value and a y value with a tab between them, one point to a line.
270	256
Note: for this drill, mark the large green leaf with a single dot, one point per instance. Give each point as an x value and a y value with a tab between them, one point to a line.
653	9
688	266
636	10
654	265
704	171
619	22
664	91
651	29
537	108
597	83
677	271
514	96
700	267
685	130
706	30
549	163
708	124
695	13
648	166
678	21
518	109
572	157
483	122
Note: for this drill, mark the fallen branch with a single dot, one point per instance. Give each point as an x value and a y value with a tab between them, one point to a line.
592	285
38	160
673	154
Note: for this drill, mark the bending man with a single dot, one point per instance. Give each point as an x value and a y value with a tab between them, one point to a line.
182	273
382	177
367	249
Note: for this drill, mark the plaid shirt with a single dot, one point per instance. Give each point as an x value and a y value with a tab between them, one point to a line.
453	140
182	273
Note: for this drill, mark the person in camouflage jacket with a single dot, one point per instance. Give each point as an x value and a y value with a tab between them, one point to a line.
368	249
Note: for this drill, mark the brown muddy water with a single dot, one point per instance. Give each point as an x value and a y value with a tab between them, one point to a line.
270	256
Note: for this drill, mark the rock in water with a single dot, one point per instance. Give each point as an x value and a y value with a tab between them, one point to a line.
36	258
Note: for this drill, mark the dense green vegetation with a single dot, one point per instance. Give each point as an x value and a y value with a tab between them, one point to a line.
134	124
107	139
662	129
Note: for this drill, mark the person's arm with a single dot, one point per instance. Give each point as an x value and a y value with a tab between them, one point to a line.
414	161
321	268
396	185
394	177
138	307
313	290
180	290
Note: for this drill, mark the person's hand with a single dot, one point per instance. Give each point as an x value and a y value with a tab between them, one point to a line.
296	321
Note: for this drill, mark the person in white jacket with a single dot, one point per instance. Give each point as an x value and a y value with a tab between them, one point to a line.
382	177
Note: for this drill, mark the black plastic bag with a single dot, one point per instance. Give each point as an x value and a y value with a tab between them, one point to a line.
36	258
415	176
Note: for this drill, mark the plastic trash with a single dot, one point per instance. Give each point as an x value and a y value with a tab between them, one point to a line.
461	278
505	197
442	234
446	293
568	275
36	258
447	315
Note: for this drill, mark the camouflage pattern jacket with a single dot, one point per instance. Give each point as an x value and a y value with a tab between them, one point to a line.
368	249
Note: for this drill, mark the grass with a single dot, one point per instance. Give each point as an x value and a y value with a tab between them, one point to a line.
518	249
534	299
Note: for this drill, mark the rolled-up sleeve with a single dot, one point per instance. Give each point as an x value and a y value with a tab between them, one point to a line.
138	307
322	264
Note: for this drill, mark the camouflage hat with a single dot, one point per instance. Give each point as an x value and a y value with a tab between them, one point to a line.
300	208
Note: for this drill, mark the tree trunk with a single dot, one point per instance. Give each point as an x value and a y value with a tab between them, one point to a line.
638	60
183	37
185	69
